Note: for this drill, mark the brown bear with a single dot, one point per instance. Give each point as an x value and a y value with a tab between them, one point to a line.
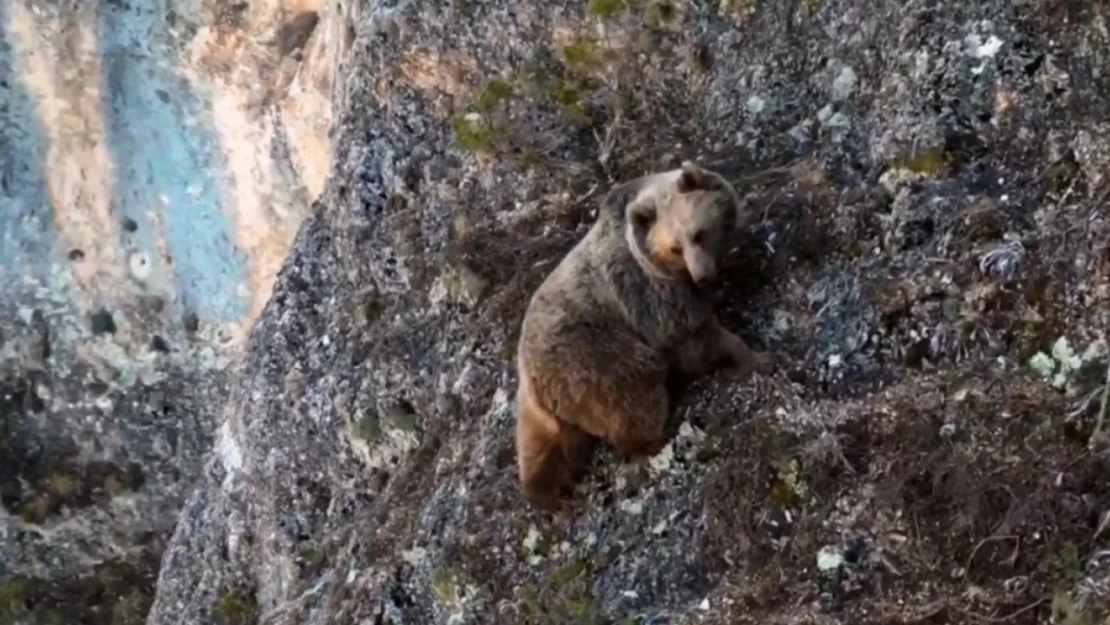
625	309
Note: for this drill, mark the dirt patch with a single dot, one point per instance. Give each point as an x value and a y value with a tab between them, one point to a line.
963	490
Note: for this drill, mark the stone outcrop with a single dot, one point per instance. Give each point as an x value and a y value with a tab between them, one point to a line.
150	187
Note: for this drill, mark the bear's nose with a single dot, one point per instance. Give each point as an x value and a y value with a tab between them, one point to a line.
700	265
704	279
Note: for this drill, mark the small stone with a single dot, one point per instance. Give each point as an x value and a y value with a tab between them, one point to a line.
844	84
987	49
532	539
631	507
825	113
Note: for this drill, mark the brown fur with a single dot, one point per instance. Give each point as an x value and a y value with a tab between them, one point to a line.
625	310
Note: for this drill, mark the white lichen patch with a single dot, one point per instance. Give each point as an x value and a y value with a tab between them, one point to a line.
1064	354
1043	364
531	539
533	545
895	178
683	445
458	285
829	559
1063	363
399	442
780	323
789	473
414	556
111	360
229	453
381	443
1068	362
983	49
755	104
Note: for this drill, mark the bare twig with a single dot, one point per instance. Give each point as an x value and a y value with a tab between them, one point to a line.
1048	168
931	610
607	144
1102	198
1084	405
1001	619
1103	524
1067	194
988	539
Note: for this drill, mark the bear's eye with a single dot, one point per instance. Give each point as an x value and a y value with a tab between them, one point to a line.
676	250
643	217
698	238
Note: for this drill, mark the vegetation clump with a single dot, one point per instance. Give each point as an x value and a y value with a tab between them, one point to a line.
236	607
12	600
565	598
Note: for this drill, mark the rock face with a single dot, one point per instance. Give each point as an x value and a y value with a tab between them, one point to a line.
939	224
147	198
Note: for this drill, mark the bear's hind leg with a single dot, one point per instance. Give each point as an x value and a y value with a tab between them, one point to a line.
545	449
637	425
576	446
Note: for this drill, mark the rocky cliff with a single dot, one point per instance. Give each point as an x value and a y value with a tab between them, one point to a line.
156	160
927	246
938	227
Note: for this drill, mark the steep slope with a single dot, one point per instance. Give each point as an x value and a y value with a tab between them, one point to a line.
941	222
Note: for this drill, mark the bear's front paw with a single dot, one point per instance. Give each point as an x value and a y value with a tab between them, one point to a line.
766	363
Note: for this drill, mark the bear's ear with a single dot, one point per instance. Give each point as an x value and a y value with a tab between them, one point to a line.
617	199
693	178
